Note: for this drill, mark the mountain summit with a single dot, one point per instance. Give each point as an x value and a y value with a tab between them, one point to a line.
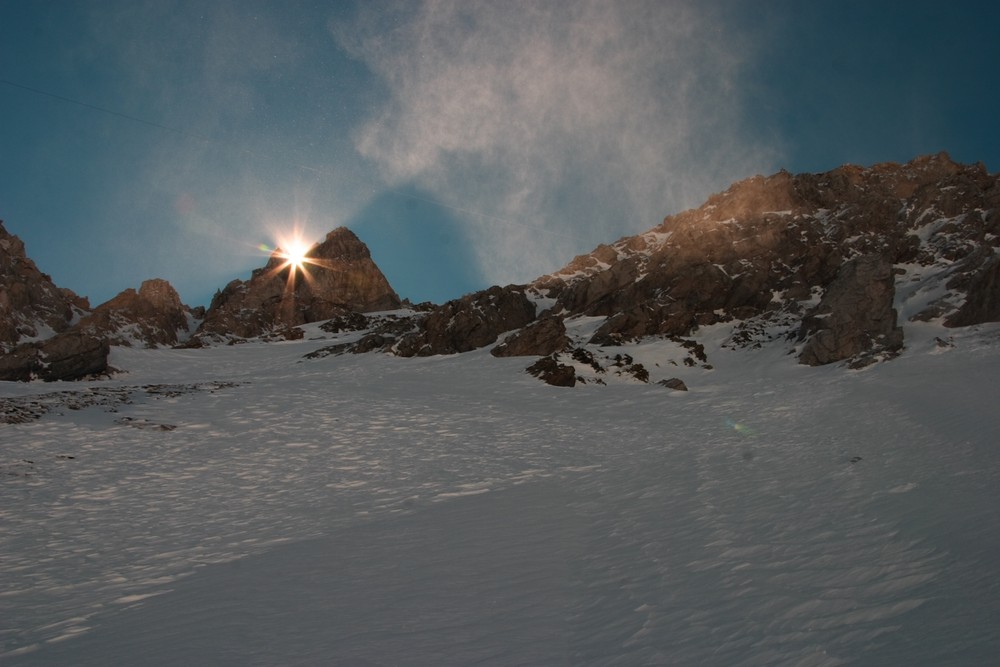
338	277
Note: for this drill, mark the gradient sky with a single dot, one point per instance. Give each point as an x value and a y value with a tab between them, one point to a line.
467	143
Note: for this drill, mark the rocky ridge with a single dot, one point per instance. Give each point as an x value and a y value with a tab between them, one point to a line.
828	265
151	317
823	261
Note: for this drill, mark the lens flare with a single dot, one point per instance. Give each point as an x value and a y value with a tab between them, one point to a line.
293	250
742	429
294	253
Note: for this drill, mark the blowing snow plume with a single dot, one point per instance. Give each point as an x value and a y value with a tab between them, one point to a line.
554	126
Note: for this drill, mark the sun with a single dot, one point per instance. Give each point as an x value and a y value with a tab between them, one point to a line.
294	253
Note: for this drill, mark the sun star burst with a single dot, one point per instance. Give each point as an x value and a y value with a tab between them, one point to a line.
294	254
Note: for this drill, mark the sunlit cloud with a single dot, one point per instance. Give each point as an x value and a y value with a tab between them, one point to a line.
560	125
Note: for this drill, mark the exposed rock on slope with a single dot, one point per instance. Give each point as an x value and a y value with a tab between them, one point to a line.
855	315
542	337
152	316
31	306
465	324
66	356
826	256
340	278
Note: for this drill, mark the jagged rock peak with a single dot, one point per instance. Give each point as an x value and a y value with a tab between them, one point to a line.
341	243
338	277
151	317
161	294
31	305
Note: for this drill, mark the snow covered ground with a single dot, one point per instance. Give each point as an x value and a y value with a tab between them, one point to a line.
245	506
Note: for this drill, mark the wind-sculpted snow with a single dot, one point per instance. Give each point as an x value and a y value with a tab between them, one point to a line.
367	509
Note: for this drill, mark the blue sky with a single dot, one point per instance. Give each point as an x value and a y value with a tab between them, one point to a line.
467	143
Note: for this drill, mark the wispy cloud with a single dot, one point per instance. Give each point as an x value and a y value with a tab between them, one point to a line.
582	119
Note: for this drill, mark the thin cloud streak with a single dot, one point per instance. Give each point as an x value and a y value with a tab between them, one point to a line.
586	119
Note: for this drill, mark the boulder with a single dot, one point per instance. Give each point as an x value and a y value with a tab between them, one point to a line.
854	316
673	383
67	356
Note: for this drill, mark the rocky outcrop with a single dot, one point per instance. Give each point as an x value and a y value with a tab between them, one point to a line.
676	384
338	277
66	356
31	306
540	338
151	317
469	323
550	371
855	316
761	253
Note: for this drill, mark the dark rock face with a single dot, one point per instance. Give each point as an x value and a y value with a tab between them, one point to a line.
30	303
855	314
152	316
465	324
339	277
542	337
982	302
67	356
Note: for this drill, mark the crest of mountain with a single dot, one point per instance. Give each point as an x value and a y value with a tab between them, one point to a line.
151	317
826	264
339	277
825	260
32	307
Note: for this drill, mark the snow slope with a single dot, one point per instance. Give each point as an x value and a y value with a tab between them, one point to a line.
241	505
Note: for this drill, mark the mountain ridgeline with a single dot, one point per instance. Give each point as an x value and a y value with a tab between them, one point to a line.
831	266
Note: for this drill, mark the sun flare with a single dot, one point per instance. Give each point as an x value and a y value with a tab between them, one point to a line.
294	253
293	250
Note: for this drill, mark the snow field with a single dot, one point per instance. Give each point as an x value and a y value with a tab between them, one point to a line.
369	510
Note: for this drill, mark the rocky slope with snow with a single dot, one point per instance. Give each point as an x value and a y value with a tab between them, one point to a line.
49	333
829	263
830	266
